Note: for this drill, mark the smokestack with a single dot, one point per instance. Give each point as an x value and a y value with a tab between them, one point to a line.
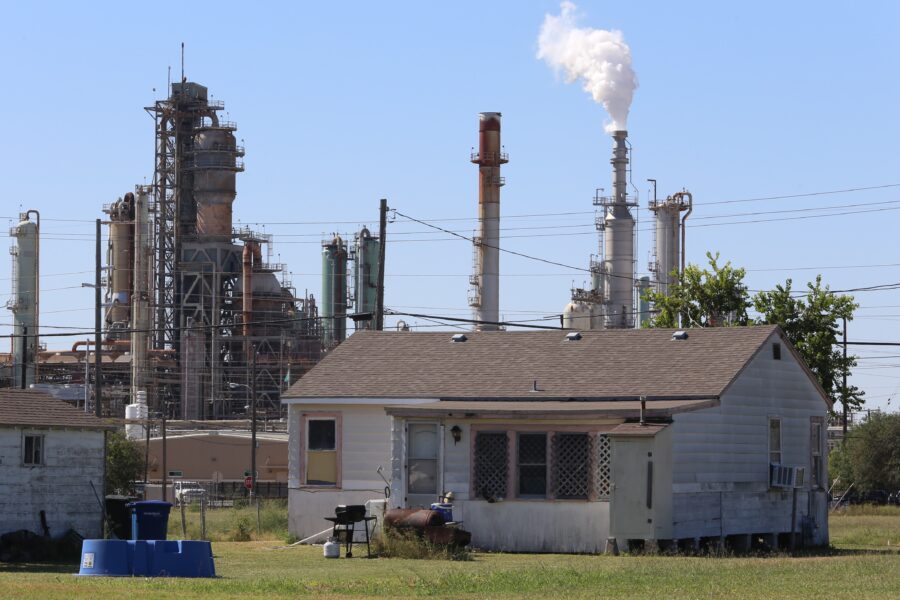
619	263
485	293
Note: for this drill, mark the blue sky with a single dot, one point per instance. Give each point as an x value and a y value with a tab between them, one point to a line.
341	104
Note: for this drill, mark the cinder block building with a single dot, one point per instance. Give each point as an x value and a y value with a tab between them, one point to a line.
50	455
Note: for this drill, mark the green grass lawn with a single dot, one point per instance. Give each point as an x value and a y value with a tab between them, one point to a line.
864	564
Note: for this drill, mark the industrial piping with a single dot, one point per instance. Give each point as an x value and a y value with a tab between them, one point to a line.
485	297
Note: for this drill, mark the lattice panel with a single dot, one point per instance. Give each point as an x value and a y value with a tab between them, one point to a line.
601	466
491	465
571	465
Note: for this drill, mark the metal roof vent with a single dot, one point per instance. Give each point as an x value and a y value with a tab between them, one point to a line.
459	337
680	335
573	336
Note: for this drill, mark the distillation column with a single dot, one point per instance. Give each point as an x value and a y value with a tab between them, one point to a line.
485	295
121	261
619	228
669	236
24	301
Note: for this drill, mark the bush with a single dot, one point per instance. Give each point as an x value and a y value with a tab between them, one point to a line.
240	531
396	543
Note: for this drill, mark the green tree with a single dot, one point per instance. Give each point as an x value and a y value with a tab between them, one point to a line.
124	463
870	455
703	297
811	323
717	296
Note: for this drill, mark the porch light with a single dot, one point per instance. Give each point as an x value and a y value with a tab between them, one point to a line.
456	432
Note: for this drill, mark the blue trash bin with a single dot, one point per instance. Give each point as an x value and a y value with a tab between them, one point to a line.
149	519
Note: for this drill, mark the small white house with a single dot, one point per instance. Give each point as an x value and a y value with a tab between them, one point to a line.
50	454
559	442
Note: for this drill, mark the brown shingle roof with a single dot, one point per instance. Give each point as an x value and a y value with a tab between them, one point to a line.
37	409
561	409
611	364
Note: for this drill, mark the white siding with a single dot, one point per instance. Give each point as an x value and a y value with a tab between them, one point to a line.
720	455
61	486
365	446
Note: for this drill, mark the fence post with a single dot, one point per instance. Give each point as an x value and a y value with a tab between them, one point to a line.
202	518
183	521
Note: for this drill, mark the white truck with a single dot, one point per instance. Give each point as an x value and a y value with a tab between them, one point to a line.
187	491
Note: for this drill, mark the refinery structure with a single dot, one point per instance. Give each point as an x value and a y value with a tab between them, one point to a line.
196	317
199	323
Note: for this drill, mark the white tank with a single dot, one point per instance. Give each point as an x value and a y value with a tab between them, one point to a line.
578	316
136	411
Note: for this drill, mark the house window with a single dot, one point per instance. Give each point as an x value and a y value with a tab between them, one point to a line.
776	351
774	440
422	459
321	451
532	468
491	465
572	465
33	450
816	440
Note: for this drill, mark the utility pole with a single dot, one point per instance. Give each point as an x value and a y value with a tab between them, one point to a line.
253	424
844	389
382	242
98	342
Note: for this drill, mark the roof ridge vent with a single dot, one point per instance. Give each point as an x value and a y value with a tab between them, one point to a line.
680	335
459	337
573	336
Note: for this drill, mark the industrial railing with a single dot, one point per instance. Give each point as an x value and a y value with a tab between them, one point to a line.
499	157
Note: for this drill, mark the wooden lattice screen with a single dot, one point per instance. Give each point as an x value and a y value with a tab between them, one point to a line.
491	465
571	465
601	466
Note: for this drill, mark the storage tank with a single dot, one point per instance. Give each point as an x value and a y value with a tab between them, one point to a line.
334	291
25	299
120	258
578	316
366	276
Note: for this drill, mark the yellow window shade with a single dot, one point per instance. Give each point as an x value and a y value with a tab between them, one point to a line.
321	467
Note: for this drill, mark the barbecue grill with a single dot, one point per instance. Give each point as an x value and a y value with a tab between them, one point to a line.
345	518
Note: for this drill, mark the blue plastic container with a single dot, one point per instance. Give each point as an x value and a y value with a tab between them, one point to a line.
149	519
445	510
146	558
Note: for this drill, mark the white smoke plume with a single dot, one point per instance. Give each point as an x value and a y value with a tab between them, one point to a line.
600	58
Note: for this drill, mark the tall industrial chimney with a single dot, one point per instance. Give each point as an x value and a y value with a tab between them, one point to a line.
484	295
619	226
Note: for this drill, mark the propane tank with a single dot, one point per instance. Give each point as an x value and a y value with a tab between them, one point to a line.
332	549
